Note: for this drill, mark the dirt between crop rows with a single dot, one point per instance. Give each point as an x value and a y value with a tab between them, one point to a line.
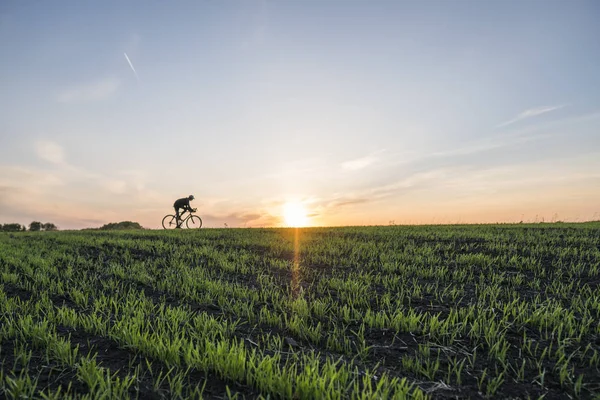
387	350
109	354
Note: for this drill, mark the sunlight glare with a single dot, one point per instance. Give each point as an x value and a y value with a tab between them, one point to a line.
295	215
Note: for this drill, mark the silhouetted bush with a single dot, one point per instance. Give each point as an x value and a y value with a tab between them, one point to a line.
121	226
49	226
13	227
35	226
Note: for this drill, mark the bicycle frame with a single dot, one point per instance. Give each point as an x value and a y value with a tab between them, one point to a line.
181	215
182	219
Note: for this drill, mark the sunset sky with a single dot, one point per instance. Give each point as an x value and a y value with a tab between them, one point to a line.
356	112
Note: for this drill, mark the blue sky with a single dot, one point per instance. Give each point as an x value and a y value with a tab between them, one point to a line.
362	112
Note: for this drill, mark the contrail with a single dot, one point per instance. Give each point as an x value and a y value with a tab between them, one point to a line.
131	65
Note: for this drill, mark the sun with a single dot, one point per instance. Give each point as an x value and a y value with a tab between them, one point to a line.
295	215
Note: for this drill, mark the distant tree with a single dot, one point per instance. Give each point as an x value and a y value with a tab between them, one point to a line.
49	226
121	226
12	227
35	226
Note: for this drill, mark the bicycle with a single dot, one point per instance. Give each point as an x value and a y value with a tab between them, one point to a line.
191	221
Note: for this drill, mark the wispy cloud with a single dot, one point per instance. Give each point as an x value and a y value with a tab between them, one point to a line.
362	162
129	182
89	92
341	202
38	179
412	182
115	186
50	151
537	132
532	112
241	219
490	143
415	181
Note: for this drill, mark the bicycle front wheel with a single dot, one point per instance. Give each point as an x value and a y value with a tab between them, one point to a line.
169	222
194	222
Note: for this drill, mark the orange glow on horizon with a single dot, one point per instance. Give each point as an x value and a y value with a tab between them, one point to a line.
295	215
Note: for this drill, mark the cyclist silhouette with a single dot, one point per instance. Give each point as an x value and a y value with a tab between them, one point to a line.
183	204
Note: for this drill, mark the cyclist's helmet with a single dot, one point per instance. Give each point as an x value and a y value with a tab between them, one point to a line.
191	197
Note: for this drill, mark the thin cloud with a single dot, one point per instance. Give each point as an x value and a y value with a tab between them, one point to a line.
94	91
240	219
490	144
131	65
520	136
348	202
115	186
28	178
50	151
130	182
532	112
361	163
413	182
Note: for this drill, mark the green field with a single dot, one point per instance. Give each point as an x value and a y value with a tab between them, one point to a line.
363	312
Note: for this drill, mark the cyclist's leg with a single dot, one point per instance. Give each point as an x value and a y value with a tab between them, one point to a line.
177	219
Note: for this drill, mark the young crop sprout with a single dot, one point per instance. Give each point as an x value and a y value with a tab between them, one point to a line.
354	312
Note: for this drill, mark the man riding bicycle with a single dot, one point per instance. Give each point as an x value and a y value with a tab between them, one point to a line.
183	204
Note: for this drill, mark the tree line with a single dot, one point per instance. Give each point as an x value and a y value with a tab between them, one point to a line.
34	226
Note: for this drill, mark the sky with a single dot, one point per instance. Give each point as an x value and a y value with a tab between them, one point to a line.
354	112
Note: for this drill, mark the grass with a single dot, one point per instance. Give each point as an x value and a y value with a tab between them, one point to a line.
373	312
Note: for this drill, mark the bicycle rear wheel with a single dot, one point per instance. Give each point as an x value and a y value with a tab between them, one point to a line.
169	222
194	222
